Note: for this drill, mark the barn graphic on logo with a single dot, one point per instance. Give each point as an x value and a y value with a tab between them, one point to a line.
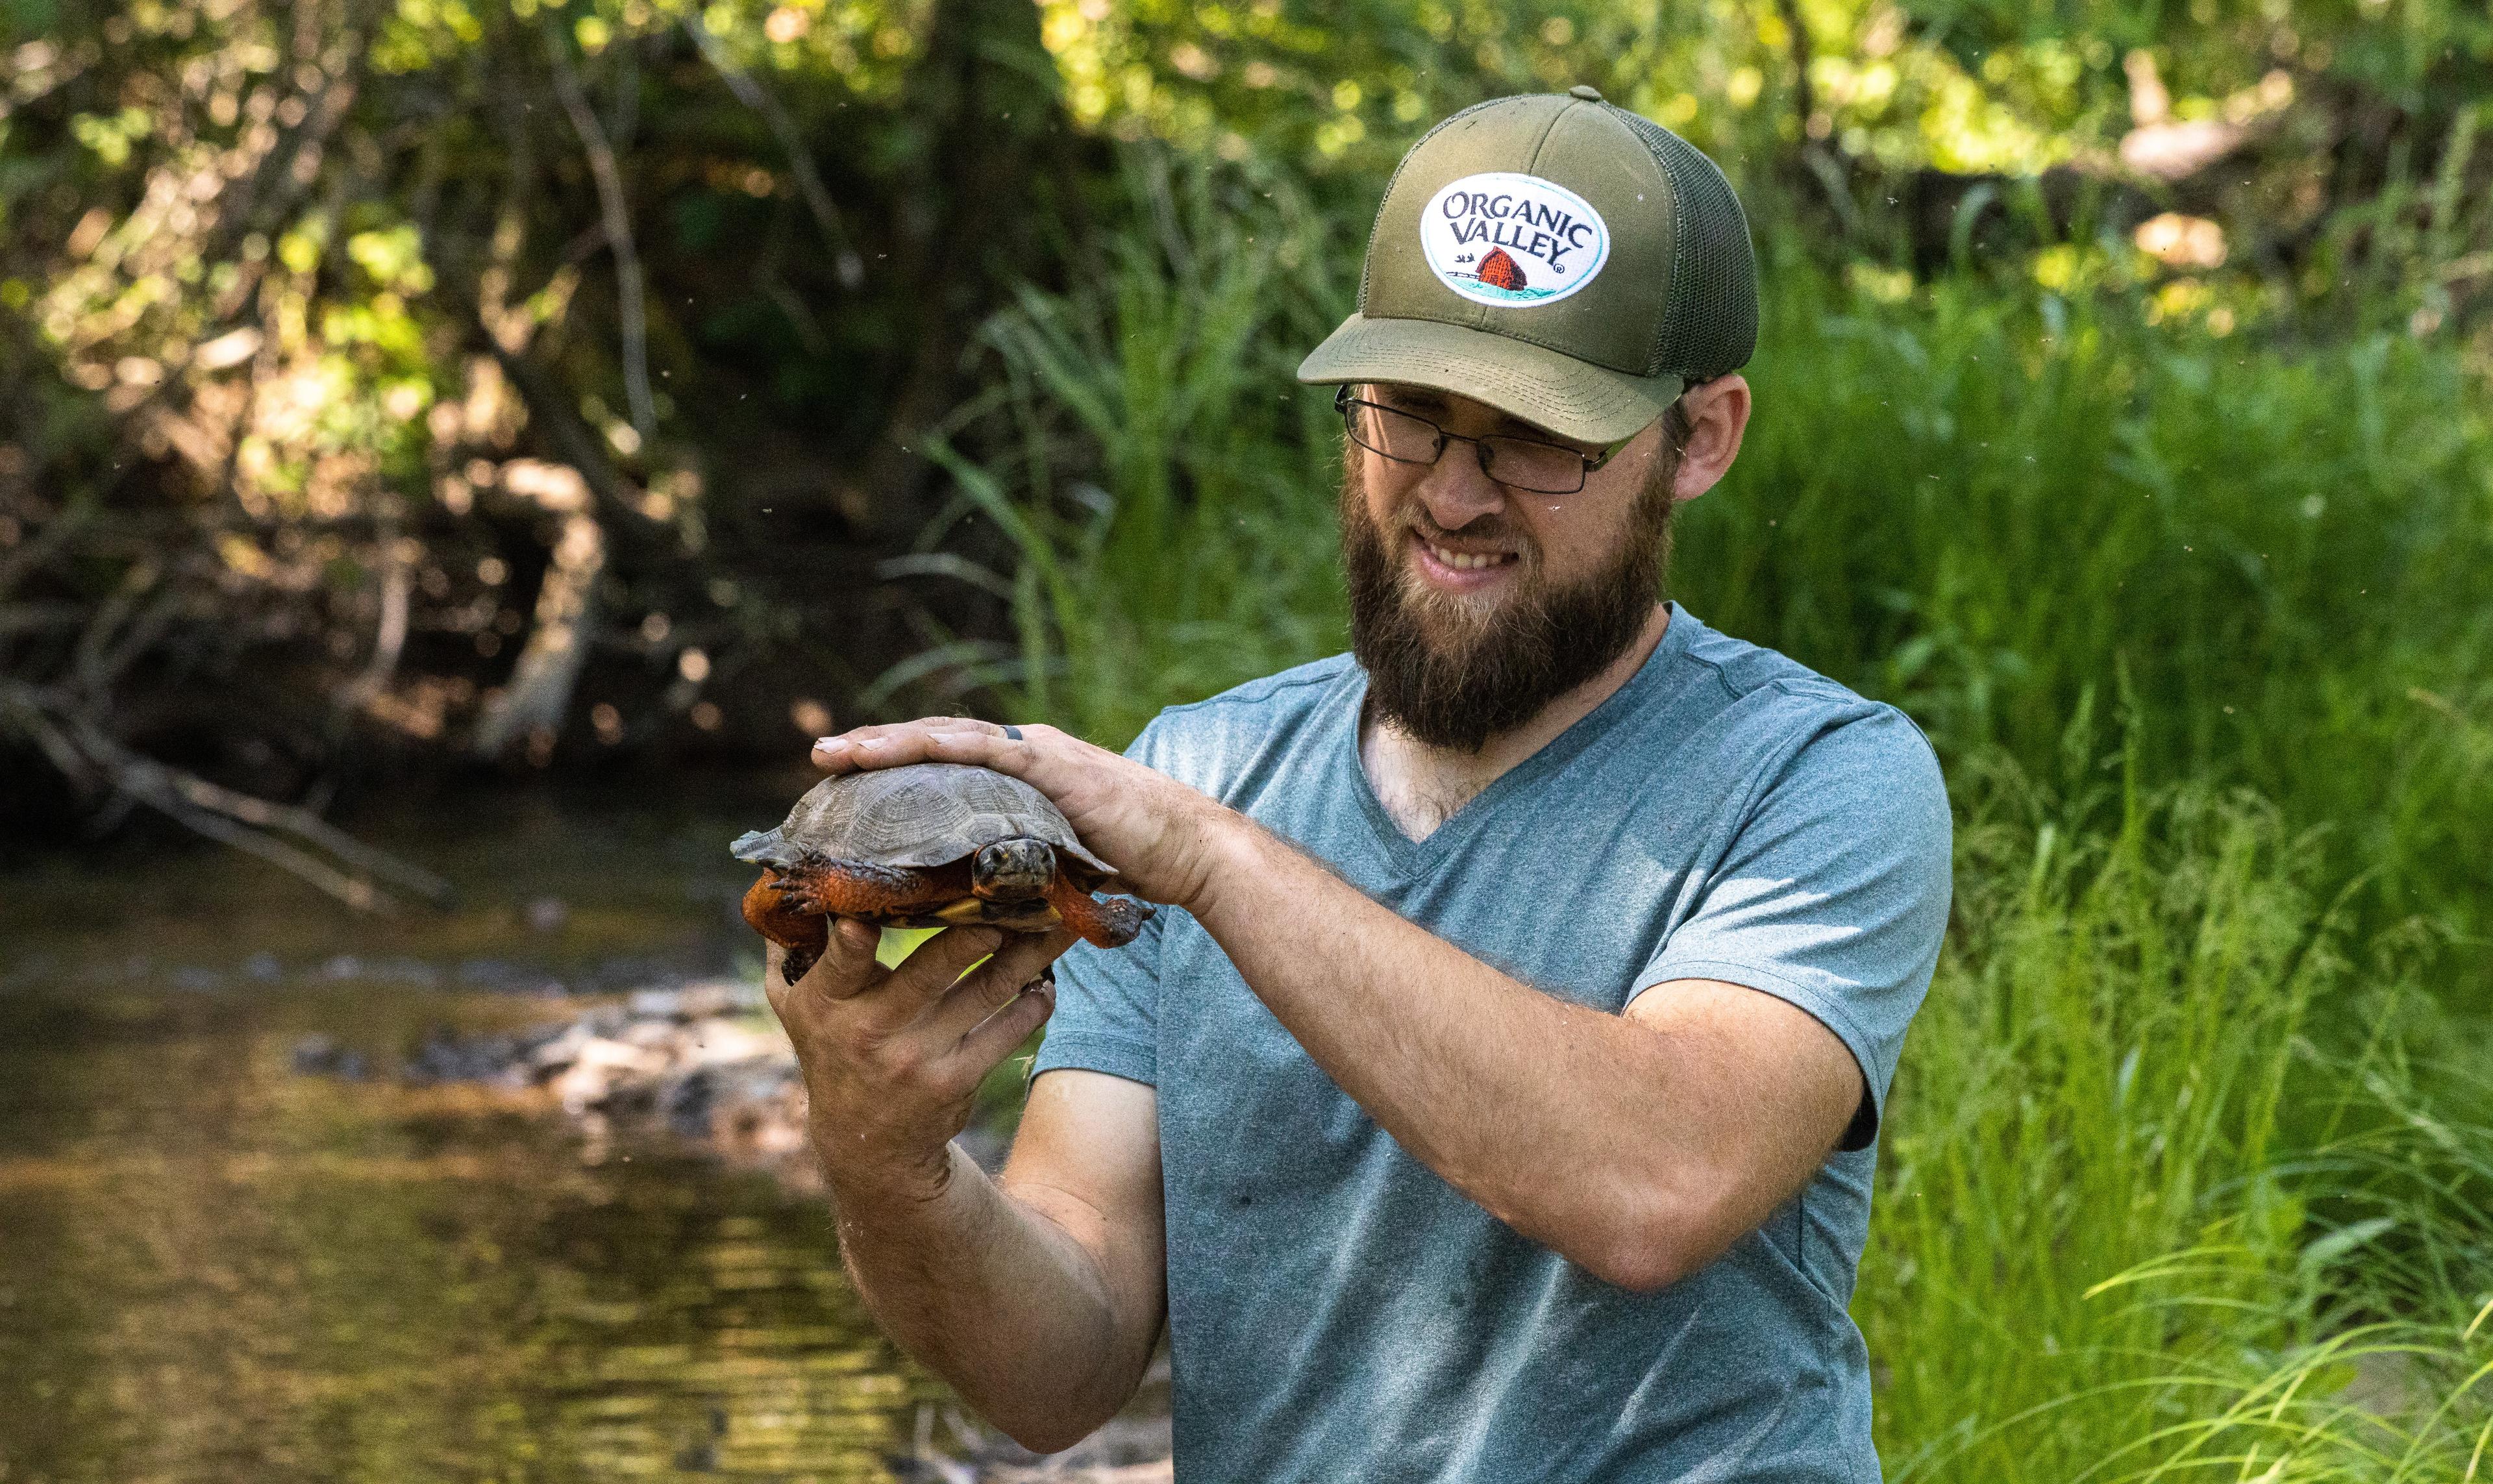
1499	271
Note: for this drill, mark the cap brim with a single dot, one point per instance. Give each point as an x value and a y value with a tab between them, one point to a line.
1571	398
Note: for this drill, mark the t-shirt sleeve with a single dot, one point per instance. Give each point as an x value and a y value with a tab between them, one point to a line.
1108	999
1834	893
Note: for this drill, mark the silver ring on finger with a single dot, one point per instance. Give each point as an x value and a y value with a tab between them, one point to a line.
1012	732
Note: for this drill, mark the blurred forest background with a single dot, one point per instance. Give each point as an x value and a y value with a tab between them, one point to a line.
449	390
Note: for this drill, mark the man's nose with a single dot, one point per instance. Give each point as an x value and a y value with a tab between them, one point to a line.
1457	491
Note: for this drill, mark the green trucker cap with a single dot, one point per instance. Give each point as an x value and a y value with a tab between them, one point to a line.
1558	258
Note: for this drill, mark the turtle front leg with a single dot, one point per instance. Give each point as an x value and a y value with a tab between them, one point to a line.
803	935
1111	923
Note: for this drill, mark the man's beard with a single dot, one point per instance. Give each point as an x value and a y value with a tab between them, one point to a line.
1452	674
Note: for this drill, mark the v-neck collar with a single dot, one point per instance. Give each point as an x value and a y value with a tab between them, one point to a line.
1411	856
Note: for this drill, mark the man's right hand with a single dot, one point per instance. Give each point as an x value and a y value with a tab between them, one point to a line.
892	1059
1039	1293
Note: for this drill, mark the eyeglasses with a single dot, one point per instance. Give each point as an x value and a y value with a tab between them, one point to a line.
1520	463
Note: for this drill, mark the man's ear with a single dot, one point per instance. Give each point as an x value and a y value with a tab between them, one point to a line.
1717	417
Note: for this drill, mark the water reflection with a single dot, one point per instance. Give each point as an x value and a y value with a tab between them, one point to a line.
215	1268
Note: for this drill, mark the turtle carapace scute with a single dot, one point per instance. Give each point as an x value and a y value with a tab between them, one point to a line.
927	846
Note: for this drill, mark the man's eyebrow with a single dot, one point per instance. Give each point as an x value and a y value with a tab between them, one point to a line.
1517	428
1424	399
1513	427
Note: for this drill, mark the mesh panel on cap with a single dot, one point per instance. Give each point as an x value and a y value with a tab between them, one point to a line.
1710	324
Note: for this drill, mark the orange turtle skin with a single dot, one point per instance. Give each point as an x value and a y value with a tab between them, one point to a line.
794	908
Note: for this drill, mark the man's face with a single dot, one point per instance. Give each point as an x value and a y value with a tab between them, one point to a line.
1474	604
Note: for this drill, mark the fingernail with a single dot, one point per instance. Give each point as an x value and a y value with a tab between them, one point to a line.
827	743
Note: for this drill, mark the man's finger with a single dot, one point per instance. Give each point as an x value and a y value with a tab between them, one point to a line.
992	985
923	977
999	1033
866	746
942	739
847	967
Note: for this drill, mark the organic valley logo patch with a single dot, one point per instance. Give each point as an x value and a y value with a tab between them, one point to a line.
1512	240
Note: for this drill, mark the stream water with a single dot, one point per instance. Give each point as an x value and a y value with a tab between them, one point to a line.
215	1268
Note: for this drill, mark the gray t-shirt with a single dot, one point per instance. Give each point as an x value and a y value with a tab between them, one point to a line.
1337	1311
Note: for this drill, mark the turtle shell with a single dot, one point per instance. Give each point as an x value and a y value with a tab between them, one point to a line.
926	813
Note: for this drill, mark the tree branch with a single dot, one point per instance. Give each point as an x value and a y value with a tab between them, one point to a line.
574	442
845	262
1822	161
86	755
630	306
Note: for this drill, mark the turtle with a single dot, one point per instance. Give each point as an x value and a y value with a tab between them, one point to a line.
929	844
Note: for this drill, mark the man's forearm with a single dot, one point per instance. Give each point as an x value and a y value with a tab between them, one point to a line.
992	1295
1606	1139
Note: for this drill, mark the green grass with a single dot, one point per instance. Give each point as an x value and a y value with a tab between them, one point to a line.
1986	507
1165	482
2181	1179
2142	1188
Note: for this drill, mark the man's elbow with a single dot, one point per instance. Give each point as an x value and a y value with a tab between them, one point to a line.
1641	1266
1048	1429
1671	1238
1051	1435
1049	1413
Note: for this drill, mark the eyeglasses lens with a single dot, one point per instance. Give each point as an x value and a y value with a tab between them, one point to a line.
1520	463
1394	434
1545	468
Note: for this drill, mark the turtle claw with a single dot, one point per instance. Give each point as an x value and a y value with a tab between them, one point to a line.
797	896
1122	918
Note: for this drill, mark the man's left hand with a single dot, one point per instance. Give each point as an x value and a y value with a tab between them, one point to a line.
1160	835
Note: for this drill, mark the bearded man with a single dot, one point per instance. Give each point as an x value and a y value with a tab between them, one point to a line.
1493	1097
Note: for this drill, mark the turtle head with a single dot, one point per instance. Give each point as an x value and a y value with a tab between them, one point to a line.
767	847
1012	870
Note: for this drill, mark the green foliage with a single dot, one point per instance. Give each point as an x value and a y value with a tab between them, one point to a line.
2038	497
2112	1035
2095	1255
328	331
1196	551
